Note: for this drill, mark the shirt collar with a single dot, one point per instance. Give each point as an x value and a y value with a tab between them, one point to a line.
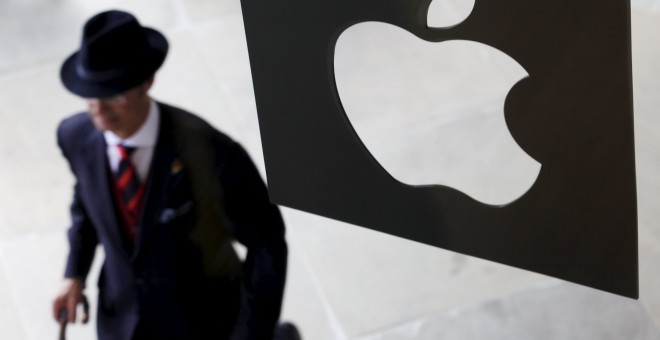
145	136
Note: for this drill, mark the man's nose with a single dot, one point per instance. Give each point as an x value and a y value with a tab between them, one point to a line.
97	105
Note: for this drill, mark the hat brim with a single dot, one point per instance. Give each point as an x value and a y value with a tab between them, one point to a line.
144	67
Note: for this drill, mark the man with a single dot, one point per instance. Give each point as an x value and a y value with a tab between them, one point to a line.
164	193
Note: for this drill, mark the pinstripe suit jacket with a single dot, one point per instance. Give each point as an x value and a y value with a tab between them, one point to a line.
182	279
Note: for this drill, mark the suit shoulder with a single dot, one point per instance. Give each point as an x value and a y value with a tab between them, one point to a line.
76	123
74	129
193	125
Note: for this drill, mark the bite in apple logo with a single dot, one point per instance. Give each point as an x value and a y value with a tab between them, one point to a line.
433	113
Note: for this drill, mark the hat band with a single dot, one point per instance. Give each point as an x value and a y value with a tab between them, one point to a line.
98	75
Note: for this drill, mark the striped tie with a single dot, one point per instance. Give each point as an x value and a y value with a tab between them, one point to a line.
129	189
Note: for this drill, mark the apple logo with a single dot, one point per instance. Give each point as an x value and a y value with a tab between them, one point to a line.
433	113
420	119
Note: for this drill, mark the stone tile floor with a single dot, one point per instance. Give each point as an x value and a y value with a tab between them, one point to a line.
578	313
344	282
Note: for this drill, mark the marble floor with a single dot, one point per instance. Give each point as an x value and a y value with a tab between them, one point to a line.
344	282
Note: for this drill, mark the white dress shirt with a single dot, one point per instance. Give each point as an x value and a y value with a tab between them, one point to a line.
144	140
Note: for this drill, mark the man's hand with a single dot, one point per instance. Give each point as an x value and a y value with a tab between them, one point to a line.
70	295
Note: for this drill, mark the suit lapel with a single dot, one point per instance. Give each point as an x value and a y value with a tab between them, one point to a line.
98	185
158	183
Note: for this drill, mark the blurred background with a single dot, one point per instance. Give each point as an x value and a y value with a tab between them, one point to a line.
344	282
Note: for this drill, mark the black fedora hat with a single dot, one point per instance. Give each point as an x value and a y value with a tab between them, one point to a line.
116	54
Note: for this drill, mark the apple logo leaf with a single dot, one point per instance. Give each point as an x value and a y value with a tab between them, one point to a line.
447	13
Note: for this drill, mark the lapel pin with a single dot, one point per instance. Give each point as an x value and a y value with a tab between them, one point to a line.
177	166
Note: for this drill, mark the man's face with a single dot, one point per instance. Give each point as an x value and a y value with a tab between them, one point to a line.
123	114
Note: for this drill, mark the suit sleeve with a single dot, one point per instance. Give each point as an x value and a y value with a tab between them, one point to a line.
82	241
82	236
258	225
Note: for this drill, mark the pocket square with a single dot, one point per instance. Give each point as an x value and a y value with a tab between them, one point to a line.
169	214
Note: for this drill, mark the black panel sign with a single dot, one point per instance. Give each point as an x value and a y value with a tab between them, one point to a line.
573	114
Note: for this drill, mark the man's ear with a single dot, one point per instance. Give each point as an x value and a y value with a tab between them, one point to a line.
147	84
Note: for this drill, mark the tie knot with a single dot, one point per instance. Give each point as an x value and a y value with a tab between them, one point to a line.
125	151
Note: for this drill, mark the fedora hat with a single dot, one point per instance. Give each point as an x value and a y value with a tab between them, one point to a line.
116	54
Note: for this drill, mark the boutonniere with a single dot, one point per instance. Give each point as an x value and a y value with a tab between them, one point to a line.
177	166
